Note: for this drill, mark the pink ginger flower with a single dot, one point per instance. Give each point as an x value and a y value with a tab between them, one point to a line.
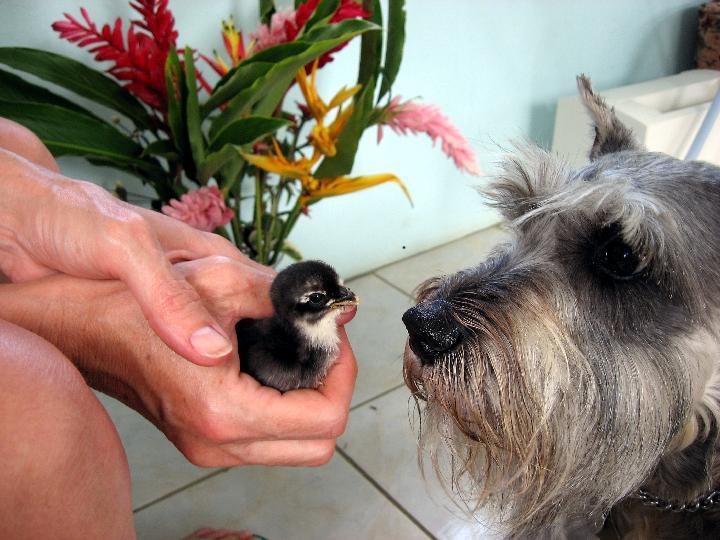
286	25
281	30
203	209
424	118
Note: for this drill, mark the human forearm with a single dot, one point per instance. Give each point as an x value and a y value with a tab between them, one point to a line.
215	415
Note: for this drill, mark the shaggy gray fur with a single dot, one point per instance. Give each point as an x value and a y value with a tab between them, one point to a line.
588	366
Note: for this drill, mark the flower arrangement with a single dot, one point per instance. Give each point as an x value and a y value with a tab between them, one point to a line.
232	156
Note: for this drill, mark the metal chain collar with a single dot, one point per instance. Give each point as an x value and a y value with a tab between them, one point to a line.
699	505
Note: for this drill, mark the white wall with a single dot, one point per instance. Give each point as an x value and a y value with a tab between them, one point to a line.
495	67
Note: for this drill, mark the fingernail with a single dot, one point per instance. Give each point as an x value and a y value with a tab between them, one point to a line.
209	342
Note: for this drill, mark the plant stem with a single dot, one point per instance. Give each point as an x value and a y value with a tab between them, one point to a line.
233	182
237	191
296	136
235	223
271	242
285	231
258	217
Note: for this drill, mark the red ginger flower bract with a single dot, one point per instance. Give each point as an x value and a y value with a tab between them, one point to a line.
202	209
141	65
424	118
158	20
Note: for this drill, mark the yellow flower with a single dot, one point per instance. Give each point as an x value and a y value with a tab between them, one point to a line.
341	185
277	163
317	188
324	137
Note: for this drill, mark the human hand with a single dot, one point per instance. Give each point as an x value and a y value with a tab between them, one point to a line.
50	223
217	416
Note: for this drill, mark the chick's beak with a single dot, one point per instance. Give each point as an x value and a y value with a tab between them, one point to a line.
346	298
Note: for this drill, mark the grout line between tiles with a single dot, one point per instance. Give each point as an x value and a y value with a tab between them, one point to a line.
391	284
381	394
384	493
182	488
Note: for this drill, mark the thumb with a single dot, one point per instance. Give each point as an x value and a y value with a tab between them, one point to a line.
176	312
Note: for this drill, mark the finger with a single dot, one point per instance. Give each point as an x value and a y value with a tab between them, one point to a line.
301	453
207	532
306	413
174	309
346	316
340	380
229	286
176	236
292	453
306	453
227	534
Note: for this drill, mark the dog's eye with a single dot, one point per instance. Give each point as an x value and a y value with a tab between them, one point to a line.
317	298
617	259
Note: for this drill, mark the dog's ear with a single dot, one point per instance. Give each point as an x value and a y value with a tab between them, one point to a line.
610	134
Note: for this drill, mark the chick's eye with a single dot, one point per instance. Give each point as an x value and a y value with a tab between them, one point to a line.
617	259
317	298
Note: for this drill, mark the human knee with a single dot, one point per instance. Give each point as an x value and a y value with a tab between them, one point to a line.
43	394
58	444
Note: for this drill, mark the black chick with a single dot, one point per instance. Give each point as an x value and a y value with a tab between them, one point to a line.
295	347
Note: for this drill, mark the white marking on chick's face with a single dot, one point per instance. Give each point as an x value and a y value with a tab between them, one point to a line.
305	298
322	333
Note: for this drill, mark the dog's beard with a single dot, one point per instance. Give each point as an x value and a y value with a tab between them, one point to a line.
539	426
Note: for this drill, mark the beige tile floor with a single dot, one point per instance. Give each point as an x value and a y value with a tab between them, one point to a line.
372	488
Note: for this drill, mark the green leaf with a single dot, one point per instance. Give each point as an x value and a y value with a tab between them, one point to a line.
238	79
163	148
371	47
324	10
78	78
232	172
177	117
247	130
67	132
158	180
217	160
395	44
262	95
346	146
192	111
234	139
267	9
176	99
14	88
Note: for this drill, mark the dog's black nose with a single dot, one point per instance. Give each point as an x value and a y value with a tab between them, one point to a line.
432	330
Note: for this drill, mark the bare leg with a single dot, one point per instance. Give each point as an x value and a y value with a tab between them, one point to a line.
64	473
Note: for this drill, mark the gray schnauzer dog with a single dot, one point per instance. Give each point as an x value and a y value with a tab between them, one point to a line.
571	383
